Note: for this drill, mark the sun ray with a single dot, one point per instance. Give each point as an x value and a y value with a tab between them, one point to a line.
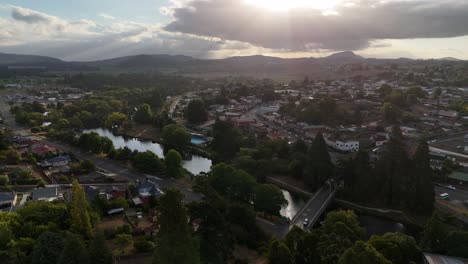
280	5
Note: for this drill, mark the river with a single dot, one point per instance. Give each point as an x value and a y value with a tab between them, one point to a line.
295	204
196	165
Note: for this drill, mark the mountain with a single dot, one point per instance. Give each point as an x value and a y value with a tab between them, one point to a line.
449	59
141	61
344	56
35	61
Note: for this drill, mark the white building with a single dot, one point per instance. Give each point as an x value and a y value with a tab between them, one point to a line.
346	145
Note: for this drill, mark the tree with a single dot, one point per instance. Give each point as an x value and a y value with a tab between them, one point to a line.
99	252
437	93
423	190
174	243
417	92
391	113
319	168
434	236
269	199
358	175
88	166
385	90
279	253
396	247
47	248
362	253
235	185
457	244
4	180
74	251
147	162
304	246
115	120
175	137
226	139
196	112
79	211
122	241
393	170
339	231
143	115
173	162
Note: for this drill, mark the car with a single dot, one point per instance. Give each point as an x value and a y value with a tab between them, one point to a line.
444	196
451	187
306	222
459	147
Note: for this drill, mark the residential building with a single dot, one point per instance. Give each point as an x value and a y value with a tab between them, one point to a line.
55	162
46	194
7	200
148	188
430	258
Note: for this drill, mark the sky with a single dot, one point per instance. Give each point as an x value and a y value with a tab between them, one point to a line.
99	29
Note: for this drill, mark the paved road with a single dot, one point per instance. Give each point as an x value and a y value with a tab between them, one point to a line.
314	208
458	194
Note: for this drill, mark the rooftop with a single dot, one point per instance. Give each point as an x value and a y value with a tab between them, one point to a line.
441	259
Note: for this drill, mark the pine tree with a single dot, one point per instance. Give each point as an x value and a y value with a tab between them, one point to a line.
423	197
79	211
320	167
174	243
393	170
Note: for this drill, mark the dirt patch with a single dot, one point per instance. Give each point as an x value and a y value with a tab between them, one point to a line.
111	223
249	255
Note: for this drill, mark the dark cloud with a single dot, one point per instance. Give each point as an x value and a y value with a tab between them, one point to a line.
354	28
30	16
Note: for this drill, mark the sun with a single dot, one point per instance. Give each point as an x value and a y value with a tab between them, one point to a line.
280	5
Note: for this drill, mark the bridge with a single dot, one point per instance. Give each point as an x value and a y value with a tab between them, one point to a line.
315	207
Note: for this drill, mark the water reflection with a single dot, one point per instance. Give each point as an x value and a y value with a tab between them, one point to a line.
295	204
196	165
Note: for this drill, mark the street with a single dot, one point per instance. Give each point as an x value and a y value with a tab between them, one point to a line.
314	208
458	194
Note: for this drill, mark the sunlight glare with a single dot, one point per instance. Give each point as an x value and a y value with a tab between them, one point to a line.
280	5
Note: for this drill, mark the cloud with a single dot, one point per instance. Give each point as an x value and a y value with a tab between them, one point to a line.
32	32
355	25
107	16
30	16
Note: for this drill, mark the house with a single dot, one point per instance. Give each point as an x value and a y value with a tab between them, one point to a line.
448	114
46	194
55	162
148	188
458	177
342	143
7	200
430	258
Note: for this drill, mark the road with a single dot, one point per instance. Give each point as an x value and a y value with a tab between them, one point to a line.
458	194
314	207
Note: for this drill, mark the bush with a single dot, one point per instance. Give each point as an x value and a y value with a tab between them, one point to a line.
124	229
4	180
142	245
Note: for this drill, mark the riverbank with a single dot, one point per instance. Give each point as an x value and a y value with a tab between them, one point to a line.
393	215
149	133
